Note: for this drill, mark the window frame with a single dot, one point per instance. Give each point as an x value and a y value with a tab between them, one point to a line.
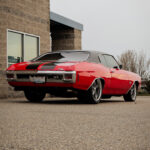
100	56
113	58
23	34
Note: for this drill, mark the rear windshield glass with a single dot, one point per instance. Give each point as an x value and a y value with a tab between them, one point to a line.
63	56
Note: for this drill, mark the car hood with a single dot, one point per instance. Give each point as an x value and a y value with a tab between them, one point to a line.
67	66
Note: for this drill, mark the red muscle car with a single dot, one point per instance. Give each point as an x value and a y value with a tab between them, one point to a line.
88	75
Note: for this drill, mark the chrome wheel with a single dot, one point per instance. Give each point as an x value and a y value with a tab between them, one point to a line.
133	92
94	93
96	90
131	95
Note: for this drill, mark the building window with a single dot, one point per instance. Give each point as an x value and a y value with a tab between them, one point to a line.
14	48
31	47
21	47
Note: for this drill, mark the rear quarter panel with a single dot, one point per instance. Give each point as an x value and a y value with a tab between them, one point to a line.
88	72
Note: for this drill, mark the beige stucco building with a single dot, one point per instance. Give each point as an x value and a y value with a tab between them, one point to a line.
28	29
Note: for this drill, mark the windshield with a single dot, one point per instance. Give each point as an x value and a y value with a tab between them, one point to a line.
63	56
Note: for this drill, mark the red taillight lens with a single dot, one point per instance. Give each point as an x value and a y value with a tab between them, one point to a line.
10	76
68	76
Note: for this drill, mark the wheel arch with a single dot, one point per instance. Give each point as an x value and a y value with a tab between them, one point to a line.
134	82
137	84
102	80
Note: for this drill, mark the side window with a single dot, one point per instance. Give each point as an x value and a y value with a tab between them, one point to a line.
102	60
111	62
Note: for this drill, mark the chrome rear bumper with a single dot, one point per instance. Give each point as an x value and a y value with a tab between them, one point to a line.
50	76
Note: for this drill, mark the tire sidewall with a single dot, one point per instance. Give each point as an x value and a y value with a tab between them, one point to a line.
92	99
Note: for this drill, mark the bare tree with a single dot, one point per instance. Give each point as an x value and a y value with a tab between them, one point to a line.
135	62
143	65
128	60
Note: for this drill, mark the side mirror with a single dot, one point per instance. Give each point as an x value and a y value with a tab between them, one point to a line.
115	67
120	66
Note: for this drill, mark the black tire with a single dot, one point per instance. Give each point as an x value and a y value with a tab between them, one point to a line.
106	96
34	95
93	95
131	95
82	96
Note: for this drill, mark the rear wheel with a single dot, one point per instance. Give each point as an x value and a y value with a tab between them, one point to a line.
131	95
34	95
93	95
95	92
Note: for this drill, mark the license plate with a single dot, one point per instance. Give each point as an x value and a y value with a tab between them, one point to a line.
37	79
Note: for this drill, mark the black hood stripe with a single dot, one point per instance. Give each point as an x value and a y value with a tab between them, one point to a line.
46	66
34	65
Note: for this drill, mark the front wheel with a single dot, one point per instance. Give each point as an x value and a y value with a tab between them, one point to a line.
34	95
131	95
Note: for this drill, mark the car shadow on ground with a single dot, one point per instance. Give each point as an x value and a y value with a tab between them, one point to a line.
77	102
61	102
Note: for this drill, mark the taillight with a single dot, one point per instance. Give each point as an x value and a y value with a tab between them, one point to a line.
68	77
10	76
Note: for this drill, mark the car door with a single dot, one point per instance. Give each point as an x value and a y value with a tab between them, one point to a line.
119	79
105	74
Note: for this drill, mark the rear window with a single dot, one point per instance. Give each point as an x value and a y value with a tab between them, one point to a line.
63	56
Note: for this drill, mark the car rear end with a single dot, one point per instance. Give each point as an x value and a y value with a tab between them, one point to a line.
47	72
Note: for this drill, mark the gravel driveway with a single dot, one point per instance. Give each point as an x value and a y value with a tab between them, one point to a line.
62	124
